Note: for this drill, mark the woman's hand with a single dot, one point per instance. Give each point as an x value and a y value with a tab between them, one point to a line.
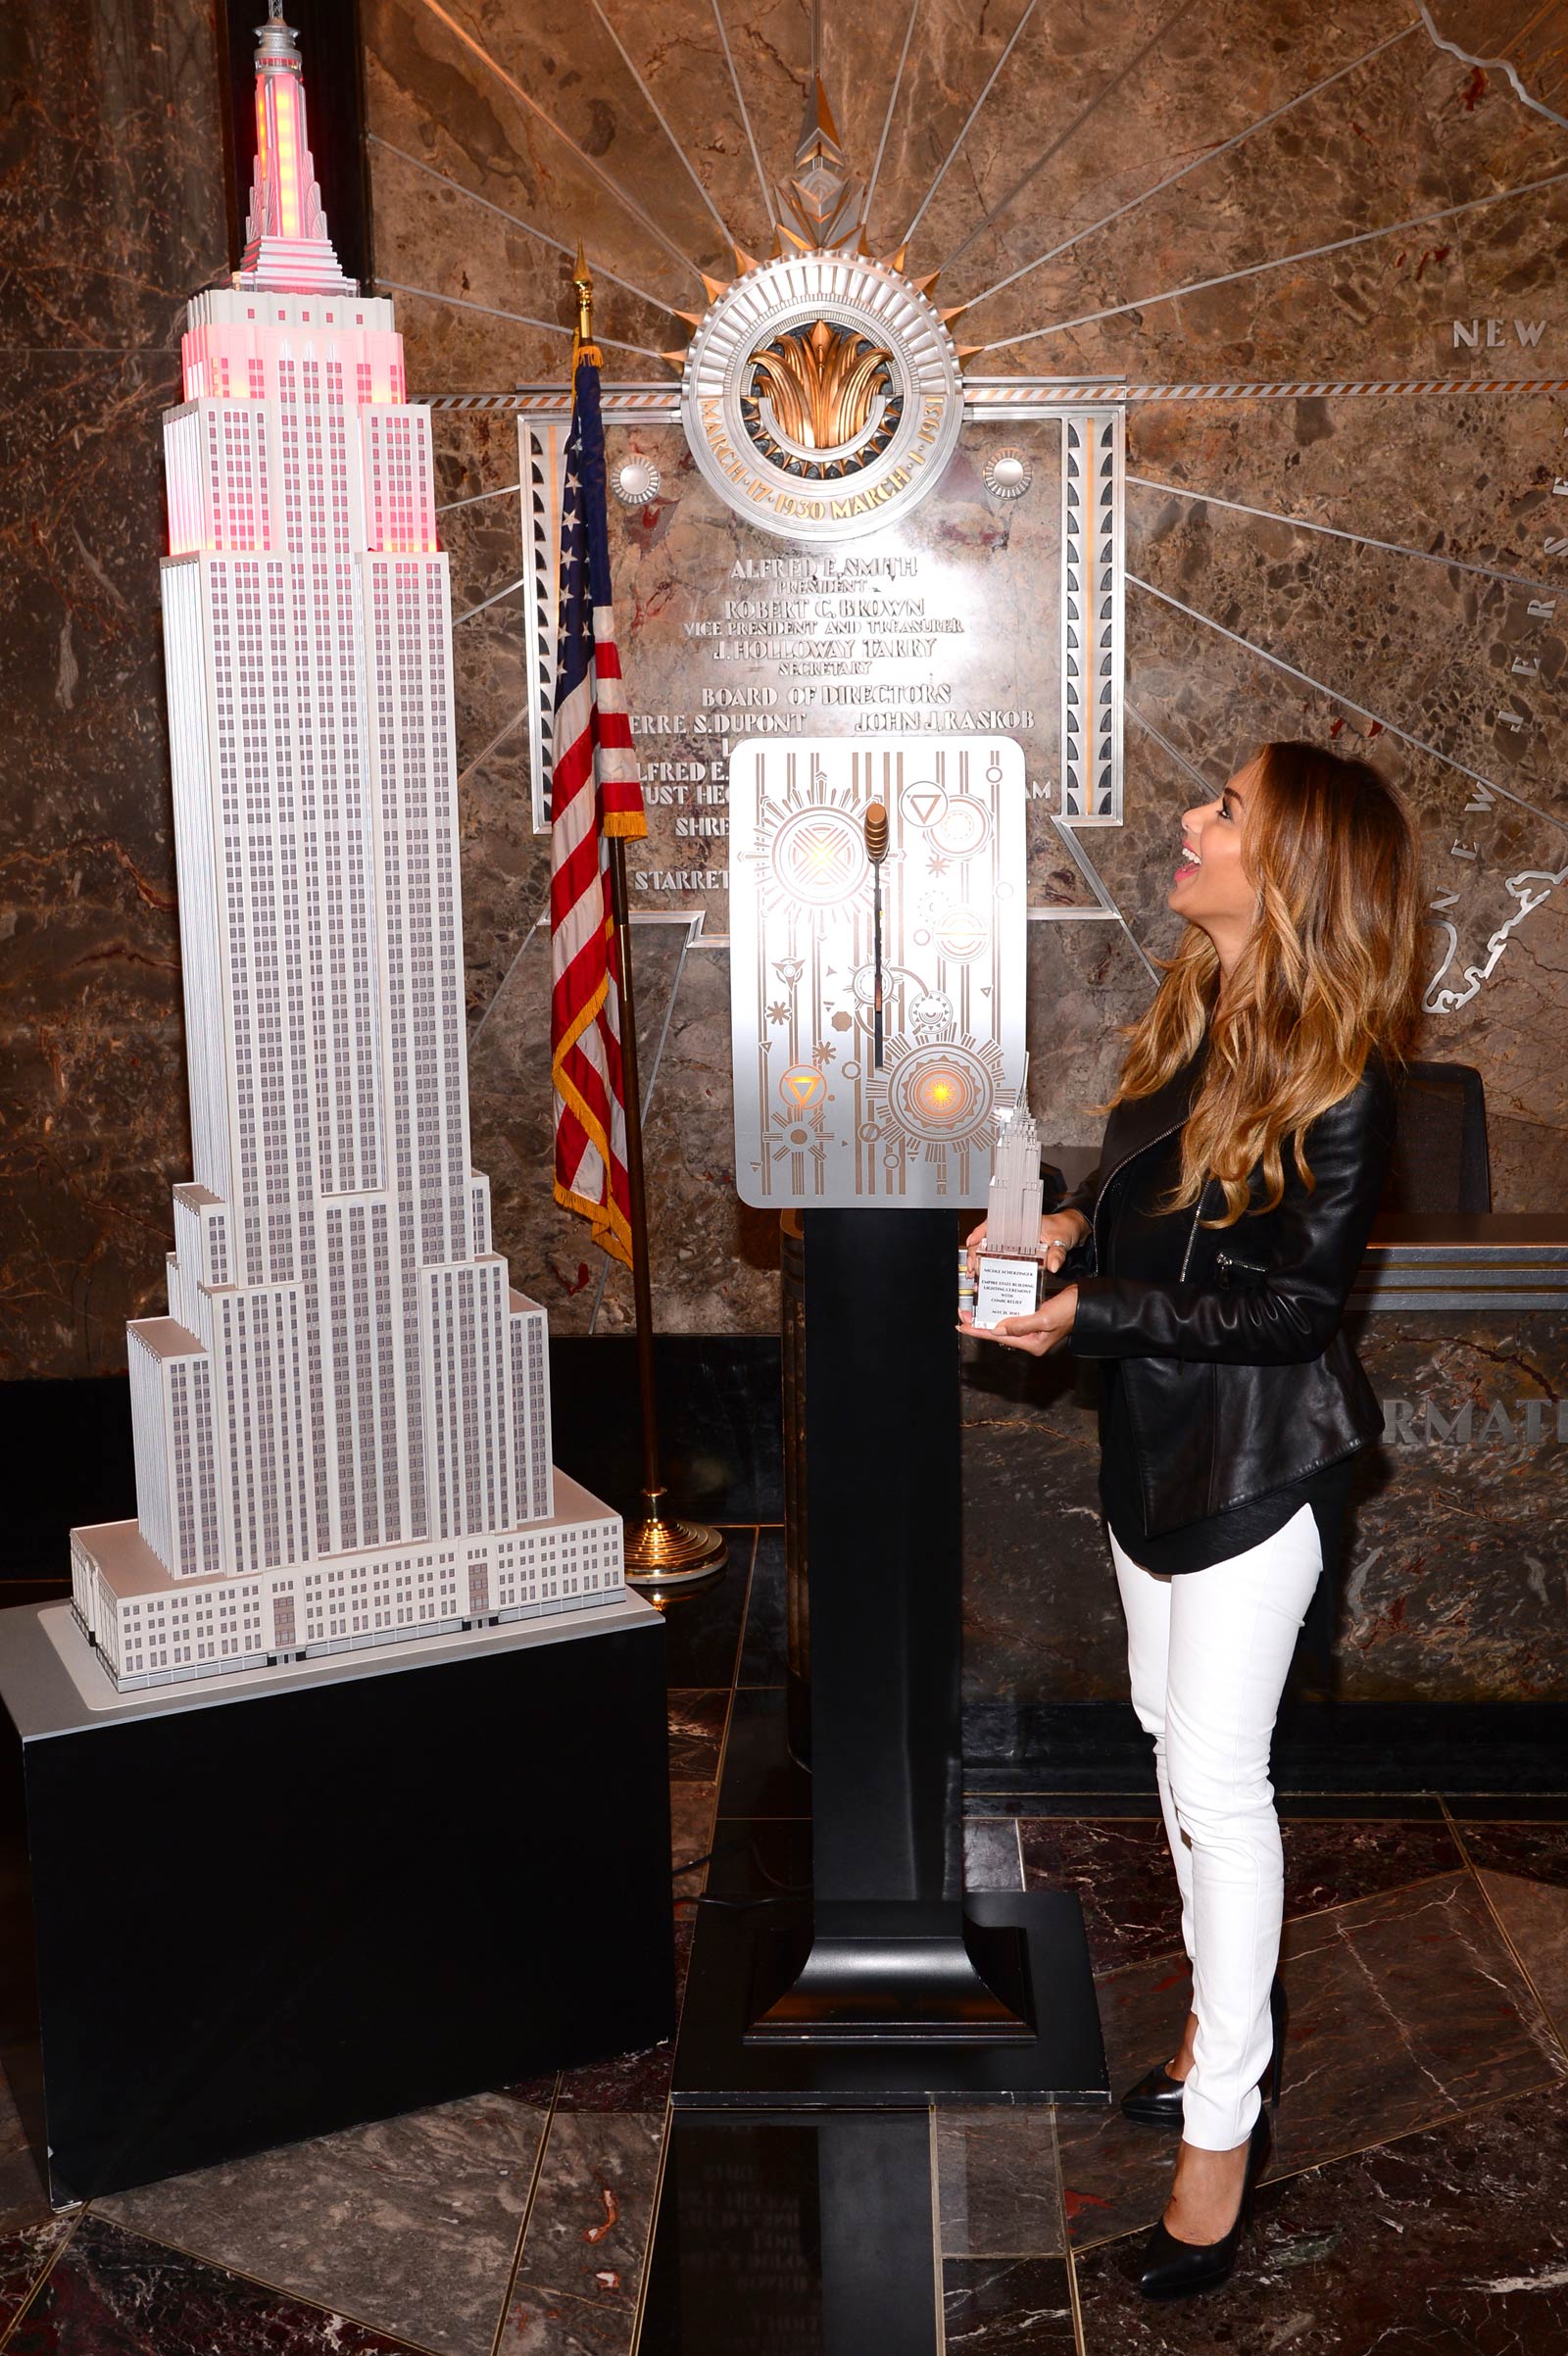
1044	1329
1060	1230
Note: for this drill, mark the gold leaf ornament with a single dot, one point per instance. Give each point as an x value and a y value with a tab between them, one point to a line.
821	384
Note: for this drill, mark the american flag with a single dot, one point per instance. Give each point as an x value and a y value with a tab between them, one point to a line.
596	792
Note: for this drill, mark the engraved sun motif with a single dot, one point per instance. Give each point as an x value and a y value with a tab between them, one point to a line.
811	856
797	1134
938	1103
931	1017
943	1094
819	857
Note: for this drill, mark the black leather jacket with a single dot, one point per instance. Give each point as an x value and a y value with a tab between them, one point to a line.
1236	1373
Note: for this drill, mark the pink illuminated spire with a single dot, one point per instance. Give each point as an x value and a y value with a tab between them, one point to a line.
287	250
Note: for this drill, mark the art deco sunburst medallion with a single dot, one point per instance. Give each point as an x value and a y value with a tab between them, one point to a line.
821	394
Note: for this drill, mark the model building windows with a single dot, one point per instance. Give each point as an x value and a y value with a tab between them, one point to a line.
301	879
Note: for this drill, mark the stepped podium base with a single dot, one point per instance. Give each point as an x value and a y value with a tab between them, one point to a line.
891	2032
916	1972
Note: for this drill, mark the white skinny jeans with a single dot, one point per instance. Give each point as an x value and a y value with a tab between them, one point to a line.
1207	1652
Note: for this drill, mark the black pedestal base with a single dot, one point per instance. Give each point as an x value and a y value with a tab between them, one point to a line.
894	1971
259	1914
737	1952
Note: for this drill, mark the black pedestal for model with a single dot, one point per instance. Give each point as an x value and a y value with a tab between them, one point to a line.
890	1986
266	1913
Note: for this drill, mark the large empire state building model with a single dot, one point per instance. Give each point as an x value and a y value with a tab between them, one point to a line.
342	1426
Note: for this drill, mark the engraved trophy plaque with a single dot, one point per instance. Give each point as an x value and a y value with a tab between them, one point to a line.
1010	1277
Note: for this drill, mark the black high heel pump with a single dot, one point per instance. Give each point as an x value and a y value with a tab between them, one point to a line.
1173	2269
1157	2100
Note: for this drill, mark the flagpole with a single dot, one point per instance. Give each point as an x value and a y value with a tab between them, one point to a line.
661	1551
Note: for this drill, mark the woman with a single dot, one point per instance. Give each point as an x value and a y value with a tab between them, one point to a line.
1214	1247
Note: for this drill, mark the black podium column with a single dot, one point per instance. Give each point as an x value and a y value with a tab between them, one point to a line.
891	1988
891	1954
886	1567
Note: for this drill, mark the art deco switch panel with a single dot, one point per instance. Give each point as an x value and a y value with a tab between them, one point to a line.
829	1113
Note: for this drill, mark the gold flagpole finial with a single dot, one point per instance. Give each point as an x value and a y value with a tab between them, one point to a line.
583	346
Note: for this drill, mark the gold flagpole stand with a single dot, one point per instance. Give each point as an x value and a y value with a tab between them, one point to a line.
662	1551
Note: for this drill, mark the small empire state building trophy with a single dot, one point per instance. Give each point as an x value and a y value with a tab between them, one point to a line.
1011	1265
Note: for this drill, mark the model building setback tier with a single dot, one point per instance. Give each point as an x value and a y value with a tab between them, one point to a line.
342	1426
150	1630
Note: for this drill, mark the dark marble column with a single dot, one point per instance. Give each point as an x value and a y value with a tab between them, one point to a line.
113	176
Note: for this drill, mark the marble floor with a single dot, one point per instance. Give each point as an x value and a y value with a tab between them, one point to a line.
1417	2203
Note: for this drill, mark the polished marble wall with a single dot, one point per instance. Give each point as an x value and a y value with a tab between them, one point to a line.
471	183
1416	641
112	179
1452	1584
495	126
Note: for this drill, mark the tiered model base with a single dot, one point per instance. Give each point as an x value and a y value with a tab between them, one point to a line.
150	1629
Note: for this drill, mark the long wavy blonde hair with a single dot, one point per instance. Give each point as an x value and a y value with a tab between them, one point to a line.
1330	971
